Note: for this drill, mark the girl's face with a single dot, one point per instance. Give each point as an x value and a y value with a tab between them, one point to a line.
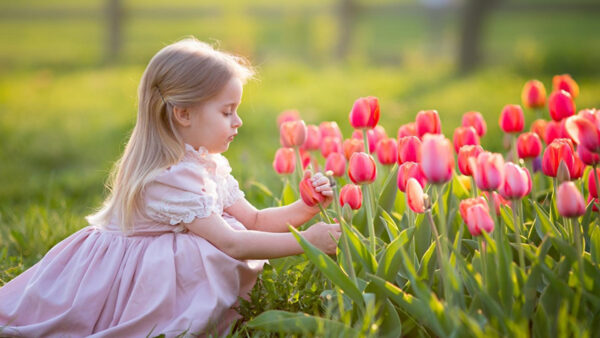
214	123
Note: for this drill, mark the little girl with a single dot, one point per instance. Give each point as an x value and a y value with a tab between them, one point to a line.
175	243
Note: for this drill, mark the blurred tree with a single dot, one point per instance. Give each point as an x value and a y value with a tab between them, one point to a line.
475	14
114	16
347	12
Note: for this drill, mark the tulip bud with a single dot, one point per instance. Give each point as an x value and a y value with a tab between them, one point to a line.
565	82
465	136
561	105
534	94
351	146
592	183
330	129
517	182
330	145
285	161
410	170
428	122
362	168
292	133
488	170
409	149
529	145
374	136
409	129
437	161
475	119
313	138
414	196
426	201
336	163
569	200
539	127
309	194
587	157
584	132
352	195
387	151
512	119
465	204
578	167
464	154
288	115
365	113
560	150
478	219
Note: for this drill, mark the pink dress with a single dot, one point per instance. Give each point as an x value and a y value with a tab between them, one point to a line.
101	282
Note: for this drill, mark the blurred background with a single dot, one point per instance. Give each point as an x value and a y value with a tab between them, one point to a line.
69	70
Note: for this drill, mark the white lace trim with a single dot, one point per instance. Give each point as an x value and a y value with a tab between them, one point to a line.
184	209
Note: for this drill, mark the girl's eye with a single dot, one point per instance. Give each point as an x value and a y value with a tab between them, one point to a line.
227	113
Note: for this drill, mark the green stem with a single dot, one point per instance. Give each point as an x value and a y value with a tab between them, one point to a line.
369	206
440	256
299	169
580	272
444	231
473	187
515	156
366	141
517	225
483	261
594	167
345	245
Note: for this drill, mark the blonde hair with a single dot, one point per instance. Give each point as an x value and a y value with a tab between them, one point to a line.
182	74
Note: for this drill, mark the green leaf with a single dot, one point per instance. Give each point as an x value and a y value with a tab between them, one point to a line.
543	223
361	252
391	226
300	323
595	245
391	259
288	196
428	263
329	268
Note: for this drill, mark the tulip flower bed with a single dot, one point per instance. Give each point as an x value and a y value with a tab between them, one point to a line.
444	238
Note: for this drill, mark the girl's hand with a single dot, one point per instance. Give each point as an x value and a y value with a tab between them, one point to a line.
322	185
320	235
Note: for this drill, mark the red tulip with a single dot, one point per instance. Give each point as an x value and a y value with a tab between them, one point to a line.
565	82
596	201
414	196
288	115
409	129
578	167
351	146
592	183
362	168
465	136
512	119
365	113
559	150
554	130
561	105
475	120
375	135
330	145
478	218
309	195
352	195
534	94
285	161
336	163
539	127
330	129
464	154
498	200
428	121
584	132
313	138
529	145
437	161
488	170
410	170
569	201
292	133
409	149
587	157
387	151
469	202
517	182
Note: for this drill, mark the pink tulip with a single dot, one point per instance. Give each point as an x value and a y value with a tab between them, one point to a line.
330	145
285	161
512	119
465	204
336	163
330	129
561	105
478	219
569	201
306	158
310	196
292	133
475	119
584	132
414	196
587	157
288	115
437	160
387	151
534	94
529	145
351	146
560	150
375	135
517	182
365	113
352	195
592	183
410	170
428	122
464	154
465	136
488	170
362	168
409	149
313	138
554	130
565	82
409	129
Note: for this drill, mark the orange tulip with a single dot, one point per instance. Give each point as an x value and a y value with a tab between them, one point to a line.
475	120
292	133
534	94
565	82
465	204
365	113
512	119
285	161
387	151
351	146
561	105
539	127
428	122
465	136
464	154
362	168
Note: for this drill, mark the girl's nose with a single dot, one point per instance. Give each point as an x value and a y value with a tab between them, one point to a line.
237	121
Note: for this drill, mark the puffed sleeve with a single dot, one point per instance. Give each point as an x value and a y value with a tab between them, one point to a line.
233	192
180	194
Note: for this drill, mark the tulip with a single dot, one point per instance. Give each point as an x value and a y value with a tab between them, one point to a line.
410	170
464	154
475	120
554	130
330	129
512	119
498	200
529	145
465	204
362	168
565	82
437	161
387	151
310	196
517	182
465	136
414	196
285	161
578	167
584	132
357	134
587	157
557	151
478	218
374	136
336	163
409	149
351	146
569	201
292	133
313	138
288	115
488	170
428	121
352	195
539	127
534	94
330	145
409	129
561	105
365	113
592	185
595	202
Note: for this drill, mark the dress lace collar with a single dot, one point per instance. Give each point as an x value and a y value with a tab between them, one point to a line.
215	163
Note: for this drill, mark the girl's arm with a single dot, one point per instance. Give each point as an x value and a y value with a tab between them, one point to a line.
250	244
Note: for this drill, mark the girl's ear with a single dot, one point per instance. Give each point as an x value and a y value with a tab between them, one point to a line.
182	116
